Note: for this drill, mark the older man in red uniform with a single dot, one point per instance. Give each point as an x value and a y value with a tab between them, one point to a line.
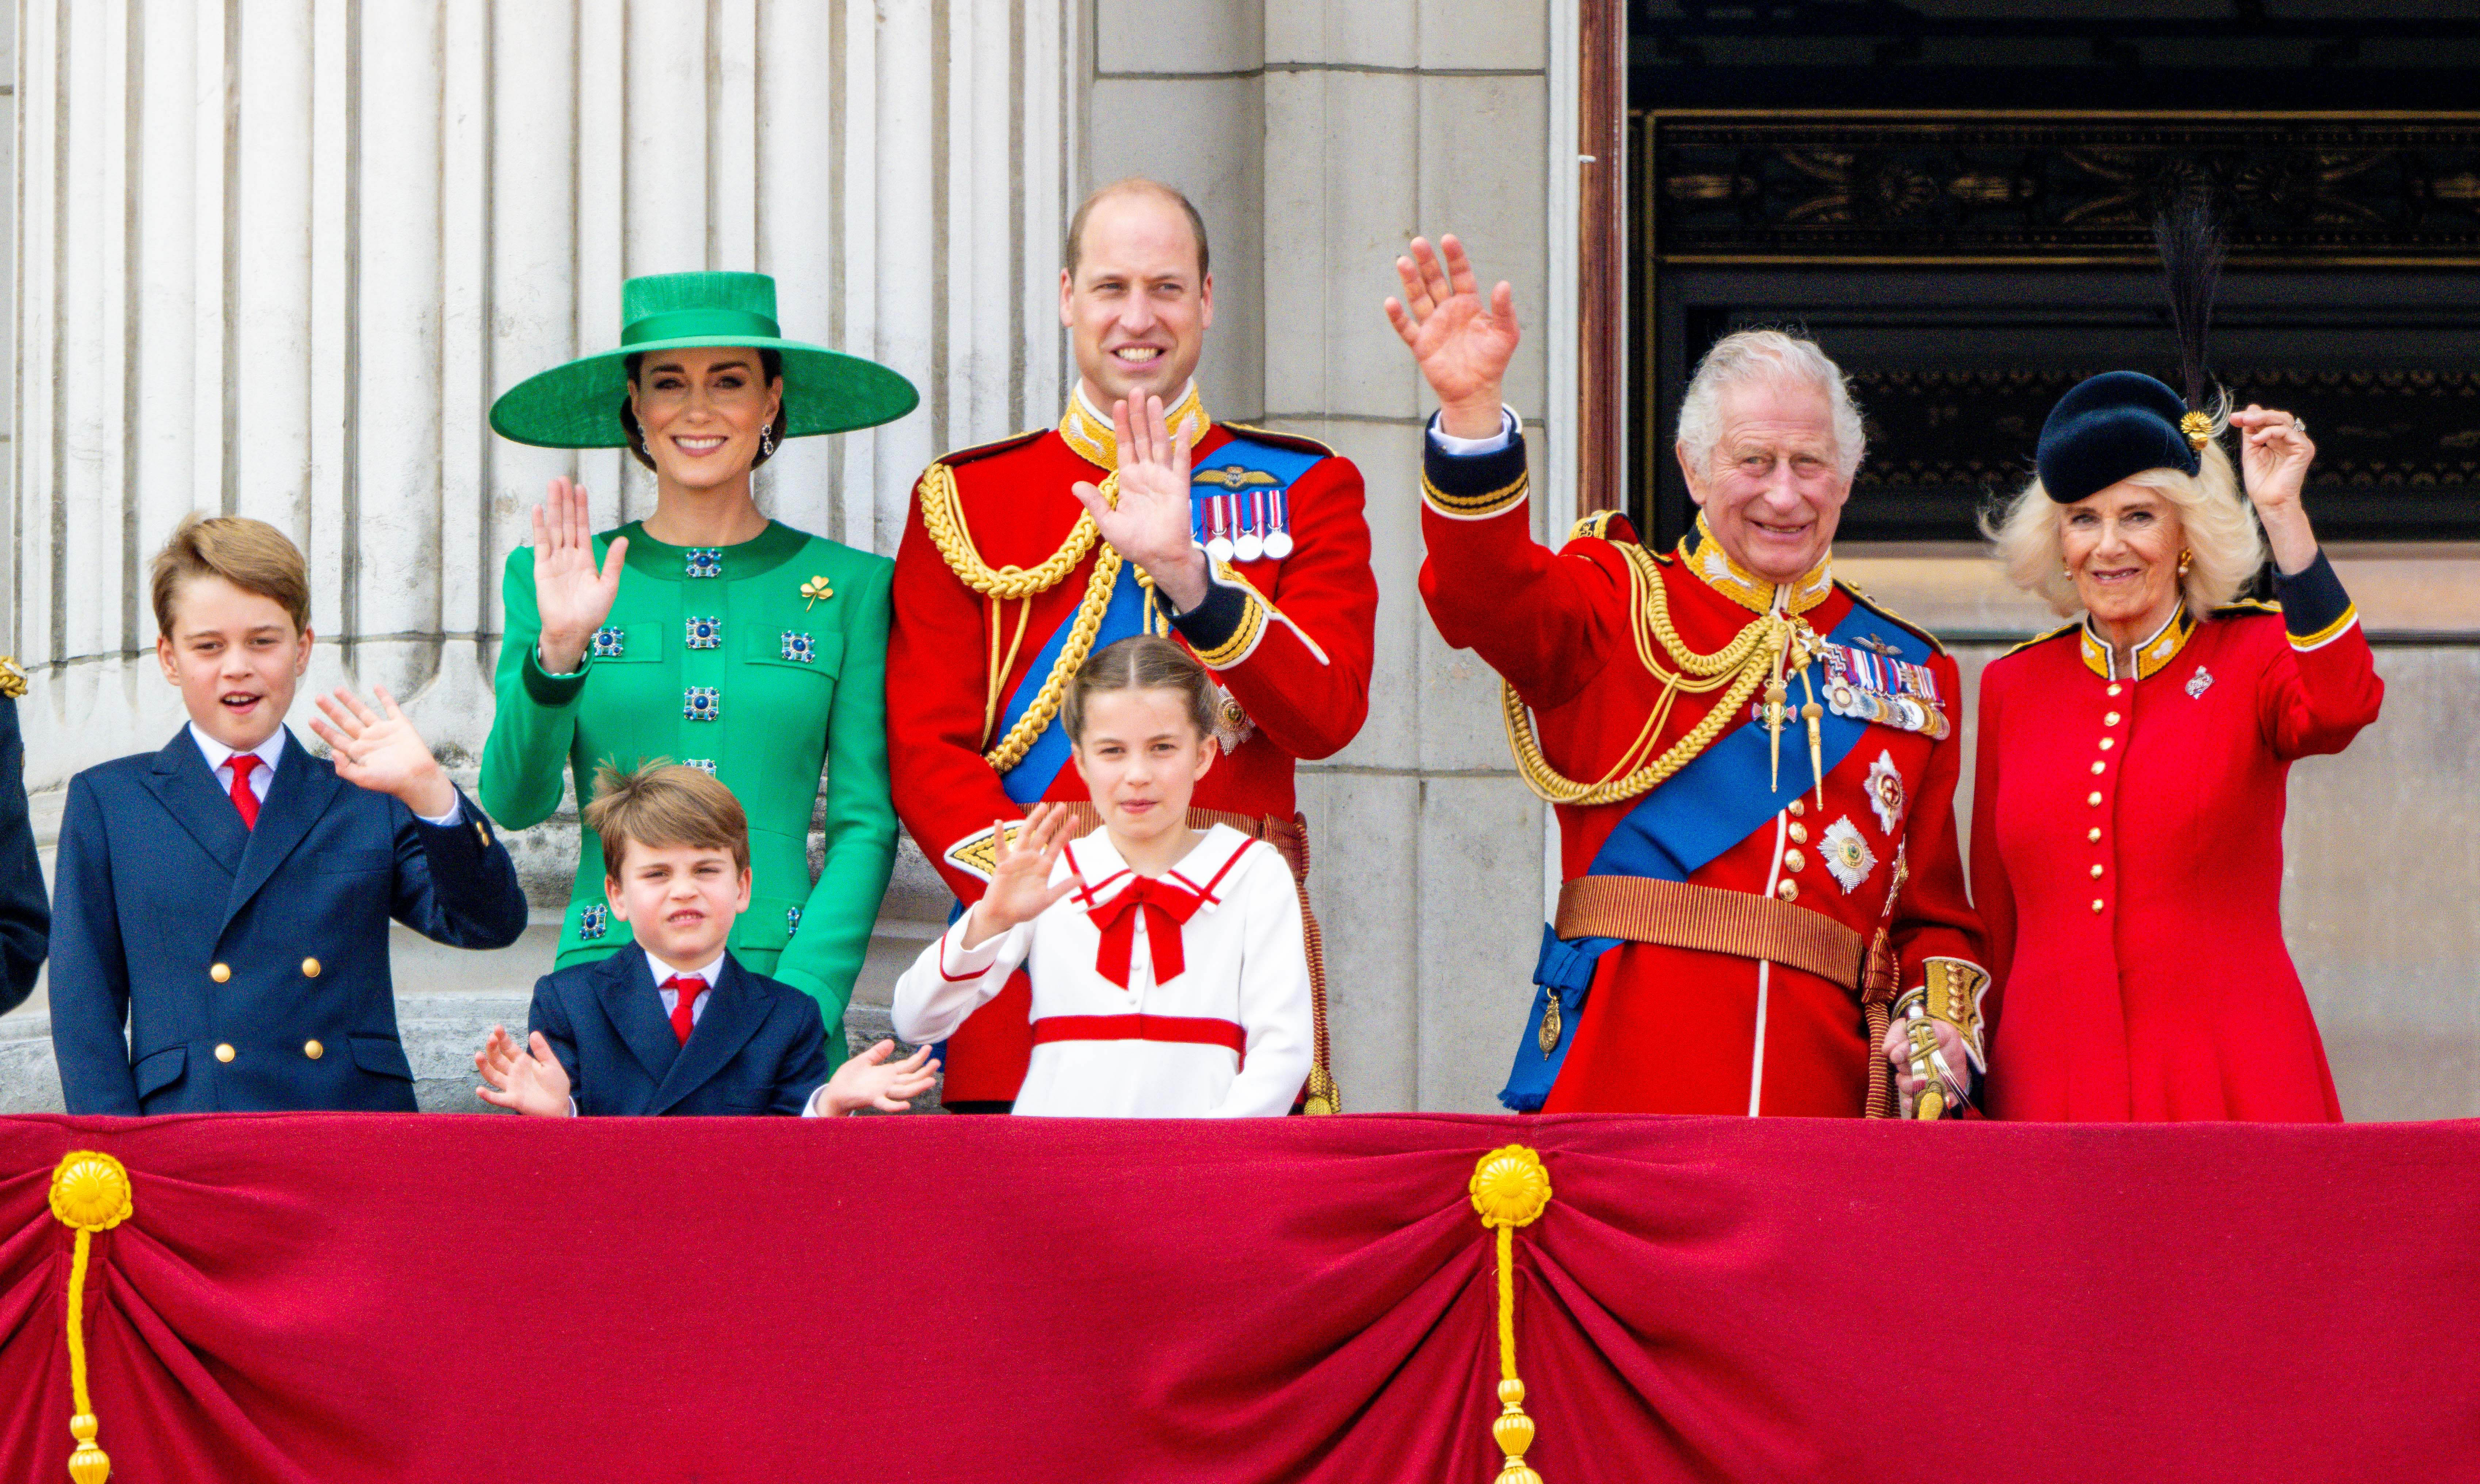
1138	512
1754	767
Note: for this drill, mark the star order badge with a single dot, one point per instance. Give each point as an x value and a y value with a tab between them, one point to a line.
1886	792
1845	855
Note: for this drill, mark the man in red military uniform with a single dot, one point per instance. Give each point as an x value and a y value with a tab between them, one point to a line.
1022	557
1754	767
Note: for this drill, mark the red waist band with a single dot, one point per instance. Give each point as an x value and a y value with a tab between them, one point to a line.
1186	1029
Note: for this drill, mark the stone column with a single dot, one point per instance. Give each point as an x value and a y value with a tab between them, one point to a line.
279	255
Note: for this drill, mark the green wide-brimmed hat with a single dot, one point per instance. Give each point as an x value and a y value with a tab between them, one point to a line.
577	406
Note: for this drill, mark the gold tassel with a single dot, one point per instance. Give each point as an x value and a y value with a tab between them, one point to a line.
1509	1188
90	1194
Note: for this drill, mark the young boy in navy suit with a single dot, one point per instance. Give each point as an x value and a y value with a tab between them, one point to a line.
224	903
673	1023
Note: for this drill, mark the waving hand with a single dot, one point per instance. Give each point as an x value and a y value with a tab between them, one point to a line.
1462	345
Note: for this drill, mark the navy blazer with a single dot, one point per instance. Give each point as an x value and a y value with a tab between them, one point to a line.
25	917
251	965
757	1047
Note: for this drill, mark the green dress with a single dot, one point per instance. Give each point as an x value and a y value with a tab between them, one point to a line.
758	662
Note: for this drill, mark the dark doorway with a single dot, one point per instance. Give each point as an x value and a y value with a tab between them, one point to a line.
1955	199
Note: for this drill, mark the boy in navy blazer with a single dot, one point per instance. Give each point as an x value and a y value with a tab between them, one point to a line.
673	1023
224	903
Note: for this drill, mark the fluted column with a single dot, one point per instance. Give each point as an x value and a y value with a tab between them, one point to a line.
278	257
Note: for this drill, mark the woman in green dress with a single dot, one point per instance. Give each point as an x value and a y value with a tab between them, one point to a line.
707	634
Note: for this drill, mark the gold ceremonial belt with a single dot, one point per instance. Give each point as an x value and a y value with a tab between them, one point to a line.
1674	914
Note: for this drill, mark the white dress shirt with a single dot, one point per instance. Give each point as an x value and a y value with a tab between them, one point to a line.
1449	443
263	777
671	997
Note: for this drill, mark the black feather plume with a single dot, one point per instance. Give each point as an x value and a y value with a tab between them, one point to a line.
2192	246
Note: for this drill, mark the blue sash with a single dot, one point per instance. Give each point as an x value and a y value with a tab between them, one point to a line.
1717	800
1029	781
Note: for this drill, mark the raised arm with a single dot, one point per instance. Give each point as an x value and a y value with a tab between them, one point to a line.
1489	586
551	598
2327	689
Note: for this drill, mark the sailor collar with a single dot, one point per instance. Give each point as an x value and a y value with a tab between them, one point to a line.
1704	555
1087	428
1101	874
2153	654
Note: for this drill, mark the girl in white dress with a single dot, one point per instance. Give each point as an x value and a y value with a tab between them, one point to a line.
1169	975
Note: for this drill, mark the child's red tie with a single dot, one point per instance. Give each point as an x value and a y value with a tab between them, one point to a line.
688	986
1165	907
244	799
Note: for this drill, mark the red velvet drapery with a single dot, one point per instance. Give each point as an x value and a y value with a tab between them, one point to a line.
337	1298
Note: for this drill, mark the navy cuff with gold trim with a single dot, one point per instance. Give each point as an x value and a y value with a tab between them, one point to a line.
1213	622
2314	608
1473	486
547	690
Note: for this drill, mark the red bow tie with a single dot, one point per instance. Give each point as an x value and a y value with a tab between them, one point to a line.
1165	907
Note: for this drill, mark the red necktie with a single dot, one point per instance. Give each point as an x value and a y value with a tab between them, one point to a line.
688	986
244	799
1165	908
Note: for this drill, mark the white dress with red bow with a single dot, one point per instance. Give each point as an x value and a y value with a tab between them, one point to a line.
1181	996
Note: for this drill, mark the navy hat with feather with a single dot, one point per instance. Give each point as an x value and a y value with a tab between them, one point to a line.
2112	425
2122	422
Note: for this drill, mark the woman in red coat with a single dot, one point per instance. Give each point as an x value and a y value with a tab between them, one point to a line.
2127	814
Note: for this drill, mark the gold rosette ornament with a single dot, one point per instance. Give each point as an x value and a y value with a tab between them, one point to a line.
90	1194
1509	1188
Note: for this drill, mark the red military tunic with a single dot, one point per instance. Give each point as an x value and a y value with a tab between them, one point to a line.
1684	1030
1289	637
2127	857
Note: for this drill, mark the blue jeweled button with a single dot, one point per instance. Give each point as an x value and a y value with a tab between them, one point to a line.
594	922
608	641
701	704
792	920
797	646
706	634
706	561
705	765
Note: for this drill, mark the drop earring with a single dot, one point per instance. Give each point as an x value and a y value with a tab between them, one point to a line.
2186	560
767	441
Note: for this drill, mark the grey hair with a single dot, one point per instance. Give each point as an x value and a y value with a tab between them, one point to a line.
2214	517
1751	355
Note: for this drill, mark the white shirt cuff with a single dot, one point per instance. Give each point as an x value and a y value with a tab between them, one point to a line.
816	1107
1466	448
455	812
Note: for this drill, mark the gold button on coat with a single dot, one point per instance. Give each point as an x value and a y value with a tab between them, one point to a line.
1789	890
1799	834
2093	834
2096	905
2097	767
2110	720
1798	808
2108	743
221	972
309	968
2096	871
1793	860
224	1053
313	1050
2093	798
2114	687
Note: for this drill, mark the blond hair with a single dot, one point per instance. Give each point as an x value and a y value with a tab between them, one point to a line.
2214	518
1148	662
665	804
251	555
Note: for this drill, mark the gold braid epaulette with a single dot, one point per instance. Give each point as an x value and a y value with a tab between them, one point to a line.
944	519
1745	664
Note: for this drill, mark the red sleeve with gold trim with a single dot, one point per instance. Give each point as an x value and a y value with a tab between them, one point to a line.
2318	696
1294	639
1934	915
1540	619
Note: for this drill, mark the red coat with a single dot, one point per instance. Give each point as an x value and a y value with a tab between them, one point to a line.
1678	1030
2127	857
1295	653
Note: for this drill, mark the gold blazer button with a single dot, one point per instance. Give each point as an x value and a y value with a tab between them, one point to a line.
224	1053
309	968
313	1050
220	974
